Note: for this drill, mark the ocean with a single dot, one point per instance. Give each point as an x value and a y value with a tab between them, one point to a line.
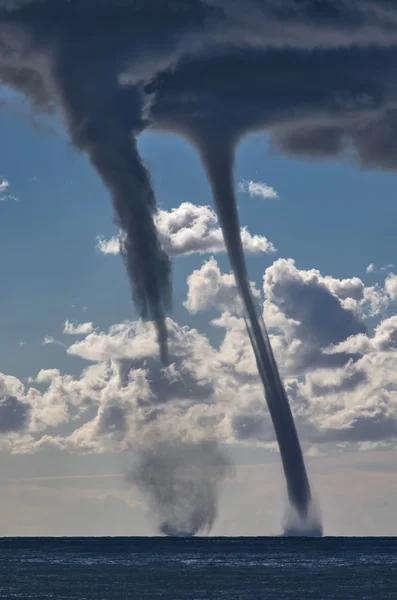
198	568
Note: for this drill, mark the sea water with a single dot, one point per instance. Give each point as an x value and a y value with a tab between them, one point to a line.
198	568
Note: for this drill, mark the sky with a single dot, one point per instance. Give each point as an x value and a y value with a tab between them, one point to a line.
82	389
324	215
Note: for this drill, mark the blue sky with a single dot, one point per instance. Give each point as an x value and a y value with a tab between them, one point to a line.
330	215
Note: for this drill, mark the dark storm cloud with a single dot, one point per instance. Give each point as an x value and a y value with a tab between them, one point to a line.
309	105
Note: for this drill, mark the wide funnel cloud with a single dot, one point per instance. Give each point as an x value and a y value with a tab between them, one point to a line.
319	77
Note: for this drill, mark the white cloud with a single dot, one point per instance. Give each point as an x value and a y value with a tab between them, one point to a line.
45	376
127	397
126	340
209	288
258	189
341	379
391	286
217	392
110	246
387	267
384	339
4	185
190	229
310	312
305	311
14	411
49	339
371	268
78	328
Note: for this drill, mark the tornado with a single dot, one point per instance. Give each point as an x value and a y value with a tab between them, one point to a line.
103	120
218	160
74	60
181	483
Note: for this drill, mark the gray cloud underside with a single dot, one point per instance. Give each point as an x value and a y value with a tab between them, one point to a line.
186	78
14	414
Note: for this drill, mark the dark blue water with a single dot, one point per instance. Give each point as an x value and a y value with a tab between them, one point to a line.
199	568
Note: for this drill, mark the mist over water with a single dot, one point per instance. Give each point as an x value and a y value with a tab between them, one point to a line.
295	526
180	481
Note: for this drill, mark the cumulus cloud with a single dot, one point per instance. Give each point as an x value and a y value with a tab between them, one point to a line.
339	375
217	392
316	311
126	397
209	288
110	246
332	385
384	338
391	286
191	229
258	189
77	328
132	340
14	412
4	187
355	404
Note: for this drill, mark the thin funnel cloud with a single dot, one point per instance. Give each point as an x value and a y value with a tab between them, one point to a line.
218	160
